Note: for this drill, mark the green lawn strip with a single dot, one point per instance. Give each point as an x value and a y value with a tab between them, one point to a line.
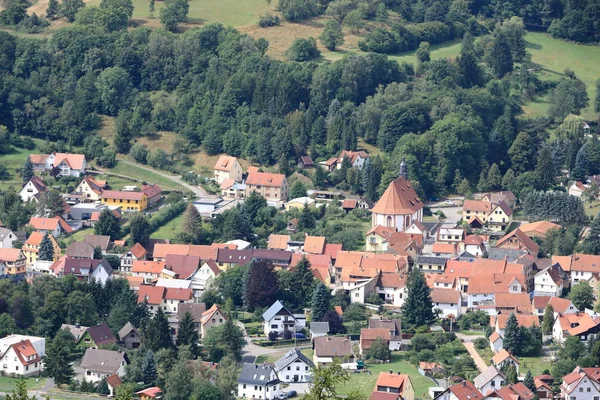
7	384
486	354
365	383
144	175
169	230
534	364
79	235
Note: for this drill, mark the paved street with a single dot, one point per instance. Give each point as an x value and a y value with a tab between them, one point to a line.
481	365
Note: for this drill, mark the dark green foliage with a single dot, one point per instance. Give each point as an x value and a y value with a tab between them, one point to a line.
295	10
230	284
108	224
336	325
500	56
114	88
379	351
59	355
69	8
224	340
512	335
582	295
591	244
139	153
511	374
157	334
473	320
261	285
548	321
148	368
102	387
123	134
554	205
568	97
417	309
597	98
268	19
528	381
139	229
297	286
27	170
303	50
320	302
173	13
332	36
187	333
46	250
355	312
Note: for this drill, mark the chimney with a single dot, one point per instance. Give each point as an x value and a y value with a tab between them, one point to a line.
463	383
399	373
391	372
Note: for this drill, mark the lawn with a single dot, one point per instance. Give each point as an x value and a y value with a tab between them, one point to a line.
14	162
79	235
7	384
364	383
169	230
145	176
536	364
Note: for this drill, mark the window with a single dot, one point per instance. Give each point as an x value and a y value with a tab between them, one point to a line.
244	386
581	389
289	368
88	373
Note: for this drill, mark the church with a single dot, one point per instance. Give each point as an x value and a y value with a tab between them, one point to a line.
399	205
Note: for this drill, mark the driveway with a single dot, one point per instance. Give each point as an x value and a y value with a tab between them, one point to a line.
453	214
481	365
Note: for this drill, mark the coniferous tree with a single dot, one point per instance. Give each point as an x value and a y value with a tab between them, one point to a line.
192	222
508	180
522	152
122	137
261	285
52	10
59	356
511	374
158	333
139	229
512	335
108	225
500	56
307	219
152	7
494	177
148	368
418	307
528	381
320	302
545	168
27	170
468	64
591	244
187	333
548	322
597	99
46	251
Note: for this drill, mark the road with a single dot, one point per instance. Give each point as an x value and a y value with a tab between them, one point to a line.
481	365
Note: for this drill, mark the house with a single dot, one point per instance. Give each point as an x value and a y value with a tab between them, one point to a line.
429	264
99	270
203	278
113	382
448	301
227	258
500	217
396	383
258	381
582	383
357	159
517	391
212	317
299	203
169	299
314	244
451	235
406	244
294	367
418	228
506	196
149	270
479	209
227	167
490	379
278	319
328	348
394	326
100	364
96	336
55	226
32	189
150	393
181	266
90	190
231	189
392	289
19	358
538	229
503	358
12	261
475	244
80	250
130	336
368	336
583	267
349	205
273	187
135	253
517	240
559	305
543	389
464	390
318	329
7	238
581	324
292	225
76	330
550	281
576	189
445	249
127	200
499	322
153	192
305	162
67	164
430	368
330	164
496	342
32	247
399	205
484	288
377	238
98	241
278	242
279	258
195	310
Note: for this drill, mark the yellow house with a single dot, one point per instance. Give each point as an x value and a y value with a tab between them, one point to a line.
377	238
476	208
91	189
127	200
32	247
500	217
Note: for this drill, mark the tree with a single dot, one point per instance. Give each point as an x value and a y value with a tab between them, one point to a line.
494	177
114	88
157	334
8	325
261	285
223	340
59	356
139	152
591	243
303	50
50	204
307	219
464	188
108	224
173	13
597	99
20	392
511	374
187	333
582	295
122	137
548	322
139	229
468	64
192	223
332	36
545	168
298	189
46	250
326	381
69	8
52	10
230	284
179	383
320	302
336	325
522	152
528	381
354	21
512	335
418	307
423	53
27	170
151	7
379	350
148	368
500	56
568	97
508	180
591	193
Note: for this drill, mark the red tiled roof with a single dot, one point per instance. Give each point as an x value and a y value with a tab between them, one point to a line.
138	251
446	296
278	242
225	163
465	390
523	238
503	355
392	380
151	294
400	198
149	267
10	255
75	161
478	205
314	244
123	194
350	204
332	249
178	294
265	179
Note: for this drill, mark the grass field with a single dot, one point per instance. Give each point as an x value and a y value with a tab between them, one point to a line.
145	175
169	230
14	162
365	383
79	235
7	384
534	364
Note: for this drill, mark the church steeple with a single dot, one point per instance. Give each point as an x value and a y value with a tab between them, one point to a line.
403	170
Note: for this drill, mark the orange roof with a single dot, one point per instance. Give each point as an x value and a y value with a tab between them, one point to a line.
560	305
151	294
446	296
134	281
392	281
138	251
162	250
265	179
350	203
459	269
474	240
495	336
278	242
586	322
207	315
383	231
478	205
338	309
352	155
400	198
522	320
150	392
563	261
391	379
315	260
332	249
523	238
92	184
123	195
321	274
252	168
49	224
225	163
540	227
493	283
314	244
585	262
25	349
503	355
10	255
227	183
148	267
520	301
348	259
38	158
35	238
75	161
444	248
178	294
466	390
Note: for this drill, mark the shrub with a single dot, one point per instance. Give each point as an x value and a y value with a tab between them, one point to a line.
303	50
268	19
481	343
273	336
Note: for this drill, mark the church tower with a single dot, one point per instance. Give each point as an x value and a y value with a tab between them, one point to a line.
403	170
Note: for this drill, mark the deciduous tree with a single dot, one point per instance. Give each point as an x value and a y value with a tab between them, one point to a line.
332	36
582	295
108	224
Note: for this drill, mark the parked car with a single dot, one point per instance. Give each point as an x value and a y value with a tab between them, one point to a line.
300	336
291	393
449	202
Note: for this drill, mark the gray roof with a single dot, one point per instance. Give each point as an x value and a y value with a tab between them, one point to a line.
257	374
319	327
500	254
127	329
98	241
195	309
274	310
76	330
332	346
105	361
290	357
80	250
431	260
487	375
5	232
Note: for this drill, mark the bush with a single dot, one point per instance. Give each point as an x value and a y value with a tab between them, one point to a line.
139	153
303	50
167	214
355	312
268	19
273	336
481	343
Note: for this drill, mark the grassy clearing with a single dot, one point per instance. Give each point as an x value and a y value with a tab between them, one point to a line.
593	209
364	383
7	384
534	364
146	176
169	230
79	235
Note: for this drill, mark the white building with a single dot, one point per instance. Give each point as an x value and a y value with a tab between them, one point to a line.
447	300
294	367
258	382
203	278
32	189
39	343
135	253
22	355
550	281
490	379
278	319
7	238
99	364
582	383
496	342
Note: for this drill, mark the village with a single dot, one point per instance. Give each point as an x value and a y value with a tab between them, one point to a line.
500	316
